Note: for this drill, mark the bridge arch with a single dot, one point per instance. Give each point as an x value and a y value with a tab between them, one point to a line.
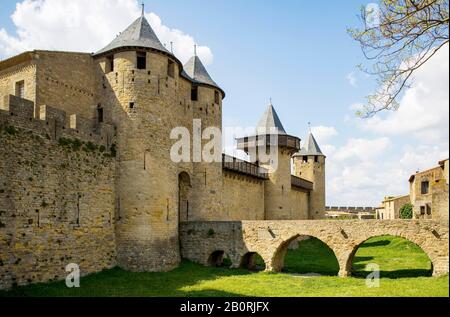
278	258
249	261
270	238
423	244
219	258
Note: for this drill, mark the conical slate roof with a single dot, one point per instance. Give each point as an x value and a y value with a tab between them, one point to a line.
197	72
312	148
138	34
268	121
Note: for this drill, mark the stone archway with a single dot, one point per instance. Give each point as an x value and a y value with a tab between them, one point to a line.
386	252
184	196
219	258
250	261
271	238
278	259
350	255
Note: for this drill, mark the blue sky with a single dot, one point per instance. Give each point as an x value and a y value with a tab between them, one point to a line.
299	54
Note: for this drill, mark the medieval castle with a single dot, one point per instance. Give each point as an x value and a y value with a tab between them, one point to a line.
86	174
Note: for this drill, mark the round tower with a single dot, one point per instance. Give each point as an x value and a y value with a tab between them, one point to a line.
271	137
146	94
309	164
206	98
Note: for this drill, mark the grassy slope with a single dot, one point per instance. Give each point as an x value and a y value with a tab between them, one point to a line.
395	257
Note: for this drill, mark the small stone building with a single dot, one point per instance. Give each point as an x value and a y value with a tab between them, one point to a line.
390	207
429	192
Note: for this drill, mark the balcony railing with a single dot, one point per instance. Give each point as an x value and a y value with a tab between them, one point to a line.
240	166
301	183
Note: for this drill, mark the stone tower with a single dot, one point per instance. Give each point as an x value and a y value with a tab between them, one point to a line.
206	98
309	164
146	94
270	133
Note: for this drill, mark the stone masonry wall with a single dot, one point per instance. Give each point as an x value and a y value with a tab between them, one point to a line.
433	204
66	80
277	200
22	72
243	197
271	239
314	172
56	198
299	204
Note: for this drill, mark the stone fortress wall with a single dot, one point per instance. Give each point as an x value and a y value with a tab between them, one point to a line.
87	176
56	194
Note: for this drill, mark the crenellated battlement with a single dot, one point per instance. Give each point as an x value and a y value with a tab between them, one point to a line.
53	123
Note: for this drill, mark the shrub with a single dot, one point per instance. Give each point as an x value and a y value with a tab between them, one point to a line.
63	141
76	144
69	143
11	130
91	146
113	150
406	212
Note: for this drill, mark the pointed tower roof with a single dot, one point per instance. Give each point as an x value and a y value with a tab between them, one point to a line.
270	120
197	72
269	124
138	34
312	148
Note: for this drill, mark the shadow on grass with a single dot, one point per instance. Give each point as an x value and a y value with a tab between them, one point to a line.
119	283
406	273
357	259
380	243
311	256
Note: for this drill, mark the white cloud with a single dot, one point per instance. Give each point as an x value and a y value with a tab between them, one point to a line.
364	170
362	149
85	25
354	173
424	108
352	80
323	134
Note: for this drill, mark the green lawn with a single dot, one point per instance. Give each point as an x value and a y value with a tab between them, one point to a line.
402	265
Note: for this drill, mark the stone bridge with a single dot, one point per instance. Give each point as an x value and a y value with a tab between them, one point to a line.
205	242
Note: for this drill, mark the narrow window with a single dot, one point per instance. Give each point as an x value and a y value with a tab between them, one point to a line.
194	93
20	89
316	159
305	158
425	186
141	60
216	97
422	210
171	69
100	114
428	210
110	64
131	105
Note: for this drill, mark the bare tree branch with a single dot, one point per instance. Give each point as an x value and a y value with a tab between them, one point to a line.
400	37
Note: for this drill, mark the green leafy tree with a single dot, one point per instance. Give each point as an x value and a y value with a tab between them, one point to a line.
399	37
406	212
